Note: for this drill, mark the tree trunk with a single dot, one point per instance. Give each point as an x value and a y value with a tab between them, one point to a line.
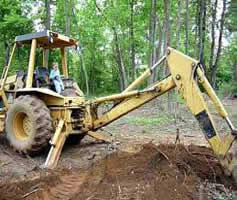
178	28
119	59
214	67
202	30
84	70
7	50
186	27
47	27
197	18
166	31
166	44
178	23
213	35
200	21
152	37
235	70
67	10
132	40
203	34
158	50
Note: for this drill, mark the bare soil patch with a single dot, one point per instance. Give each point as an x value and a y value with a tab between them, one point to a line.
153	172
145	164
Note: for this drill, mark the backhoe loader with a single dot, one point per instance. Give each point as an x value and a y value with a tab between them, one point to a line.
35	116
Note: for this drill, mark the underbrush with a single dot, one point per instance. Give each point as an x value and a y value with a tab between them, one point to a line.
227	89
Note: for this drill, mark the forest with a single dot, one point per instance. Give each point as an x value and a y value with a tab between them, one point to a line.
118	40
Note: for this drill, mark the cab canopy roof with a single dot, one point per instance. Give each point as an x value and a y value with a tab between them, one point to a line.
46	39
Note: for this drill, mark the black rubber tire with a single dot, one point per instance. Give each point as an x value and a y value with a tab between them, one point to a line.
29	111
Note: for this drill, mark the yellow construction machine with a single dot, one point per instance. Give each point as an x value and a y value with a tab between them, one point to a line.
34	115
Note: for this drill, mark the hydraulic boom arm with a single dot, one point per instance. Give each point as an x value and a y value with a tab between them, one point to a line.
184	70
183	74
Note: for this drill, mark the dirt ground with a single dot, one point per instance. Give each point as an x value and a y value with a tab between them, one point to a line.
142	163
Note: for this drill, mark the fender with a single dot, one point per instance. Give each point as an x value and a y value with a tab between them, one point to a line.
50	97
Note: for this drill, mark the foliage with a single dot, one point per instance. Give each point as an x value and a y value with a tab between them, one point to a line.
13	21
228	64
95	23
232	20
227	89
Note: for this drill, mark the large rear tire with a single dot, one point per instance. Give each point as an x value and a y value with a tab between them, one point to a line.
29	125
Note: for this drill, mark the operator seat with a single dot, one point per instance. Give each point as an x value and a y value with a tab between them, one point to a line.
41	77
20	79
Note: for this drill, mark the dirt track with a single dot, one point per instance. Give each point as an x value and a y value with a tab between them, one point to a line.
131	169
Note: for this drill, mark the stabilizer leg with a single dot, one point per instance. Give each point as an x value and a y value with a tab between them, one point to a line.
57	143
99	136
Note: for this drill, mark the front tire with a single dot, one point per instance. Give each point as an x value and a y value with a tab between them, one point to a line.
28	125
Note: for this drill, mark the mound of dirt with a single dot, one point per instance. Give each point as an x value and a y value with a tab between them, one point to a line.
155	172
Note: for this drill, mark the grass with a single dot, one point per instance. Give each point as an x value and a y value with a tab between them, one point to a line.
148	122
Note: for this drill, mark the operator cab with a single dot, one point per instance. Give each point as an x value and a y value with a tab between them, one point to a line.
46	39
38	76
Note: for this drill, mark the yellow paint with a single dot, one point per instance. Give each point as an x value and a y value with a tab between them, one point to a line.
219	106
29	80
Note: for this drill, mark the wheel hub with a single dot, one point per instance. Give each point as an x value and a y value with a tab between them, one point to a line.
22	126
27	125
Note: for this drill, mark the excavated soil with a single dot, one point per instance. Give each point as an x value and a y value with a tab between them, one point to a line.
149	172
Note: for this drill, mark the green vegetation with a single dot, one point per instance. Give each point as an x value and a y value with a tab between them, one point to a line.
119	39
149	122
227	89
